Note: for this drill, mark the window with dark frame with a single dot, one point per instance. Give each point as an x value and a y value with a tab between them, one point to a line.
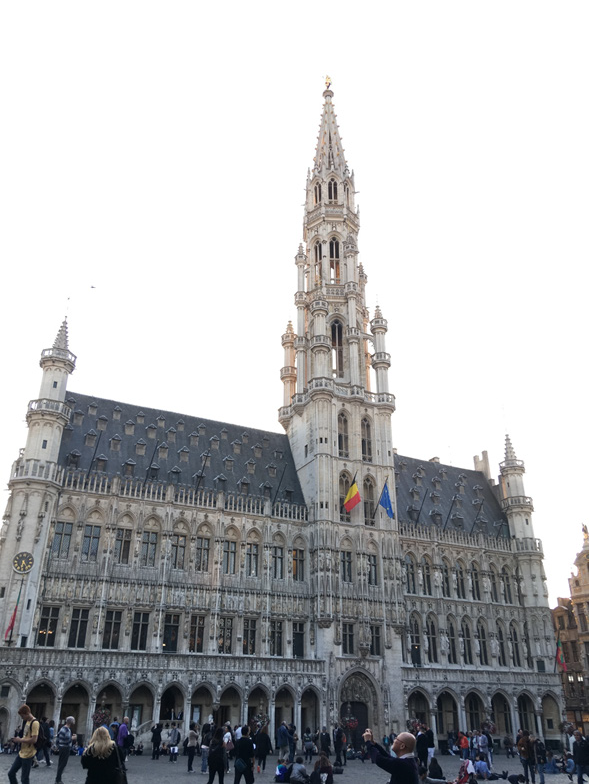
139	631
346	566
298	565
251	559
276	636
178	551
122	545
225	636
47	627
229	556
202	554
348	639
78	628
90	543
249	636
148	548
298	639
372	569
278	562
60	547
112	630
171	632
197	634
375	641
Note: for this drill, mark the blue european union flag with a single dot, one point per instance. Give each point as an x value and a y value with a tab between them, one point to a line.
385	501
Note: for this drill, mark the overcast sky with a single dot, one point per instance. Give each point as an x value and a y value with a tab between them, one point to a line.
154	158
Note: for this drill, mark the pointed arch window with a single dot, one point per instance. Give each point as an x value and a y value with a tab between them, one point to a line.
466	639
368	498
347	193
337	349
318	256
516	655
415	637
426	572
366	433
506	585
501	646
494	588
342	435
446	579
483	652
334	260
452	650
410	566
476	583
332	190
317	193
344	487
460	584
432	640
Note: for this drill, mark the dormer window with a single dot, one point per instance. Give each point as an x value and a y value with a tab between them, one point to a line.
140	447
184	454
92	409
193	438
288	495
265	442
457	520
115	443
129	468
317	194
175	475
460	487
163	451
102	423
101	463
228	462
78	417
244	486
153	472
116	414
436	516
271	470
171	435
224	434
201	429
415	493
277	454
443	473
220	482
436	482
417	478
73	459
129	428
332	190
236	447
214	442
90	439
266	489
435	496
251	466
161	421
257	449
151	430
140	418
180	425
245	437
205	459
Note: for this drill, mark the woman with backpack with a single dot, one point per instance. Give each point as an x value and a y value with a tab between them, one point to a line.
217	755
263	747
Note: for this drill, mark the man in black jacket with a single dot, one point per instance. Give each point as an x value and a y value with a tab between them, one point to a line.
581	755
403	768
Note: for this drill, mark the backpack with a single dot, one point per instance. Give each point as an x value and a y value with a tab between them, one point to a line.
41	741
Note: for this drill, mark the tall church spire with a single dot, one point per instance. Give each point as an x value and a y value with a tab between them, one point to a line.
61	340
329	155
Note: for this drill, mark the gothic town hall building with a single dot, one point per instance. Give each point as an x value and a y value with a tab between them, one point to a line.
164	565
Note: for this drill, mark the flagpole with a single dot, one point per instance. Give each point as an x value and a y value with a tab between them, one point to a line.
13	619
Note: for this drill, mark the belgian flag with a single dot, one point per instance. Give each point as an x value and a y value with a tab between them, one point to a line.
353	497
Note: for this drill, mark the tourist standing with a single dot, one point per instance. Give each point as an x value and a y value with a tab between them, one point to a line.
103	759
156	741
26	755
191	745
64	746
263	747
244	757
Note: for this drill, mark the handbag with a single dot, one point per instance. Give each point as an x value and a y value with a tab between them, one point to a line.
240	765
229	745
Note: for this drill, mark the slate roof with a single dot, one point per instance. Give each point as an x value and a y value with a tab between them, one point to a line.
430	493
261	458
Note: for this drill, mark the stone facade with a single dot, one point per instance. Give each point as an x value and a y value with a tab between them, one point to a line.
186	568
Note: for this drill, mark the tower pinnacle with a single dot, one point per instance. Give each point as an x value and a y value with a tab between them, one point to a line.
329	155
61	339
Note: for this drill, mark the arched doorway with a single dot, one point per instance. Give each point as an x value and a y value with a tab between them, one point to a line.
140	706
310	716
75	703
447	714
257	708
525	712
501	715
110	702
202	706
474	711
550	717
172	704
283	707
359	707
41	701
229	708
418	707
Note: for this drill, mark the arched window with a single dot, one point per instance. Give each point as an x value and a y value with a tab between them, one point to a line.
483	652
516	655
410	566
366	433
460	583
426	572
501	653
337	350
342	435
452	649
432	640
476	583
494	585
506	585
334	266
446	590
473	712
318	256
344	488
317	193
466	638
332	190
415	635
369	508
347	193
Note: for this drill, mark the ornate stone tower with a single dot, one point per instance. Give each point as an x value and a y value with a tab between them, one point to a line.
338	425
35	483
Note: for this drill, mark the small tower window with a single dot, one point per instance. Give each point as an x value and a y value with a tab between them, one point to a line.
332	190
366	431
317	193
318	255
334	266
369	508
344	488
342	435
337	349
44	444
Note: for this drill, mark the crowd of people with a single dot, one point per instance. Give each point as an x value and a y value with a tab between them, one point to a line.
409	757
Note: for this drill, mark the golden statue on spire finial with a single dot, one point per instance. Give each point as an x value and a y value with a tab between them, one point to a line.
327	82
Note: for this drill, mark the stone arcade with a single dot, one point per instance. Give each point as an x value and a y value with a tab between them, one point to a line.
184	567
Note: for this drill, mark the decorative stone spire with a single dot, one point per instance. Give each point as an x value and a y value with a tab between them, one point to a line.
61	340
509	450
329	155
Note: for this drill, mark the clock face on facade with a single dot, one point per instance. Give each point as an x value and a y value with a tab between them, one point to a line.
23	562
